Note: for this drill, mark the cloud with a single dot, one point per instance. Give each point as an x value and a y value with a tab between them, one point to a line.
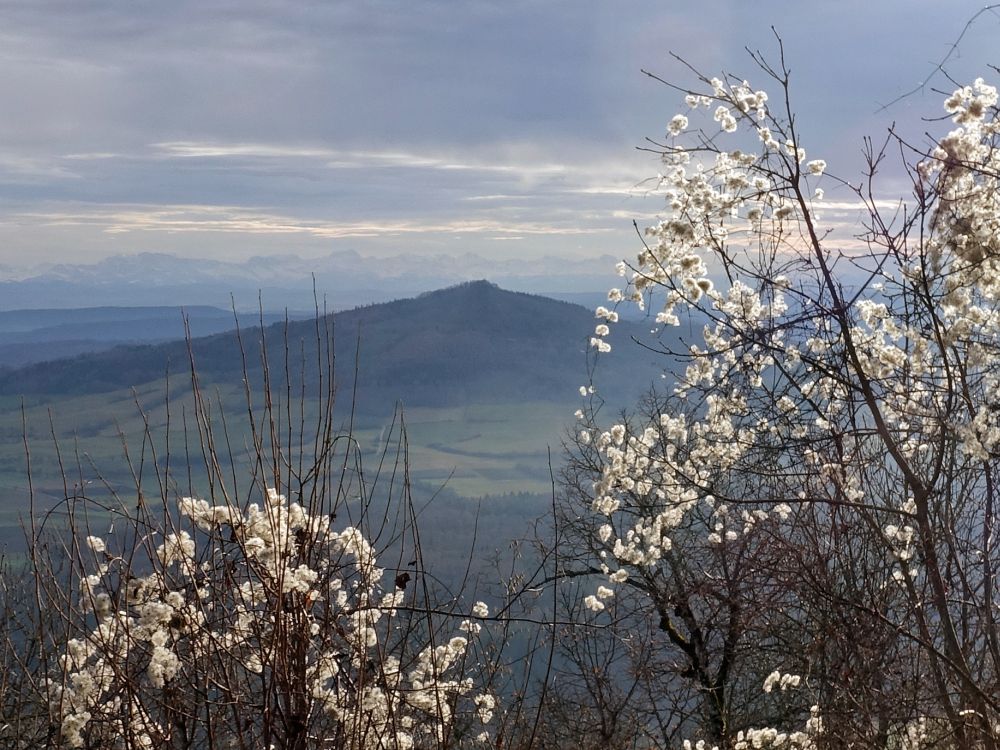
216	150
849	207
387	119
518	166
241	220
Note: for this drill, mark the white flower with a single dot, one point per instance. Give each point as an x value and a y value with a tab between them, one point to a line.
600	344
772	679
677	125
609	315
485	703
816	166
619	576
790	680
301	579
163	666
96	544
467	626
176	548
725	118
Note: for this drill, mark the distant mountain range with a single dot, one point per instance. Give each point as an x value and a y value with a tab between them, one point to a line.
470	343
342	280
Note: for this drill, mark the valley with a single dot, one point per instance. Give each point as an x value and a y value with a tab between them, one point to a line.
478	374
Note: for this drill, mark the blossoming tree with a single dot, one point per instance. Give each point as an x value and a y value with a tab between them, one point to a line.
823	471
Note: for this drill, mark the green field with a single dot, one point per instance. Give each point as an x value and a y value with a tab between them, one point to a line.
470	451
484	449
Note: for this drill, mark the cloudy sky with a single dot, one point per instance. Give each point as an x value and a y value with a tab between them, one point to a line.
228	128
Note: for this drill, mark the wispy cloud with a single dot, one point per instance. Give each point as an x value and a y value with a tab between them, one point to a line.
216	150
240	220
848	207
361	158
493	198
93	156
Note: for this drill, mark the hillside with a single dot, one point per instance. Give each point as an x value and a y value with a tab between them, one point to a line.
29	336
471	343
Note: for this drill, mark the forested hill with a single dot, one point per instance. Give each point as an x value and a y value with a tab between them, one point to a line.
469	343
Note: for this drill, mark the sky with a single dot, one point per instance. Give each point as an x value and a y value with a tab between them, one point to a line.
223	129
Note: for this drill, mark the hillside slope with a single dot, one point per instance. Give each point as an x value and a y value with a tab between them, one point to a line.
471	343
30	336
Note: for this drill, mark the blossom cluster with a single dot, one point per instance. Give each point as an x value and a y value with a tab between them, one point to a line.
769	737
230	607
771	372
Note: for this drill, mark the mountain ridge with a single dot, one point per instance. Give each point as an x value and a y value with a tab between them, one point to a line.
344	278
468	342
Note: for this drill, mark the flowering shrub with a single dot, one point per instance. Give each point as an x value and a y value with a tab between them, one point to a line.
839	383
255	627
